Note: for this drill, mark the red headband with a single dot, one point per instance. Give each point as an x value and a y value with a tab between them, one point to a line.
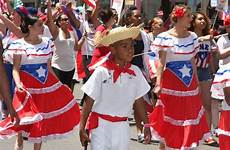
23	10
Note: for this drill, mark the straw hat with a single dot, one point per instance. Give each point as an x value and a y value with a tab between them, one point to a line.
117	34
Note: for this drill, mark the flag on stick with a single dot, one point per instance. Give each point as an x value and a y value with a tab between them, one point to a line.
90	3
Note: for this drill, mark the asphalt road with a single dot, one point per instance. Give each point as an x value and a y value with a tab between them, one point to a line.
73	142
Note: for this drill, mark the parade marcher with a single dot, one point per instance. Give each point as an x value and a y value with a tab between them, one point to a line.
88	26
112	91
11	32
205	66
178	120
63	60
40	99
108	20
221	86
132	17
5	91
156	27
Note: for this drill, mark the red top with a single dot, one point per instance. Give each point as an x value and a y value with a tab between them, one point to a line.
99	51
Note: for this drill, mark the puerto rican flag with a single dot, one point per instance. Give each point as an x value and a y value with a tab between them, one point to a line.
182	70
90	3
37	71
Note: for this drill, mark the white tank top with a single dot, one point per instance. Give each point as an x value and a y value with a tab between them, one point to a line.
64	55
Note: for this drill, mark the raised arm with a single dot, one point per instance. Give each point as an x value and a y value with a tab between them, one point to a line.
50	22
12	27
72	18
94	16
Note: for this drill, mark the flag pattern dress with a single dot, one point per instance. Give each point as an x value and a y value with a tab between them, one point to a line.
221	81
47	108
178	119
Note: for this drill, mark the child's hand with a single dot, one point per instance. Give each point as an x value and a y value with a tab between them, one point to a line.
84	137
147	135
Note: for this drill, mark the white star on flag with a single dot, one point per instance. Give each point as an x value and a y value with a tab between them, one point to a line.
41	72
185	71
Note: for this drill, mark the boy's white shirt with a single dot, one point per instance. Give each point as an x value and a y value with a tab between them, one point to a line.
115	99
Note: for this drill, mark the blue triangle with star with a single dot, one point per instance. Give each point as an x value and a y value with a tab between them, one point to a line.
38	71
182	69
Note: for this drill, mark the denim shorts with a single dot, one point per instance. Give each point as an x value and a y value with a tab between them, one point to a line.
203	74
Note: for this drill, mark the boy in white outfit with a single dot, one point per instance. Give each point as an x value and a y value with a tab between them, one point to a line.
112	91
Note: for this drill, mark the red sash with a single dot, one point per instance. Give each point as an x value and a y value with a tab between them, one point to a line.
94	117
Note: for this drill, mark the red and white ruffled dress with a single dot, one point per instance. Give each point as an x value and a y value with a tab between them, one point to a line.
221	81
178	119
47	108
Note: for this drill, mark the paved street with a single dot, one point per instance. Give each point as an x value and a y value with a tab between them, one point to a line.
73	142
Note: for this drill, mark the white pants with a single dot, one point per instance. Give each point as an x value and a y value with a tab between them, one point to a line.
110	136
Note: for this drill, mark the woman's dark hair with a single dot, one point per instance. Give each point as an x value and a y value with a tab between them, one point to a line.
105	15
28	20
206	29
128	13
57	21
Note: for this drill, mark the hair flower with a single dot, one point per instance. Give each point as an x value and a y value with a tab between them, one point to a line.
227	20
179	12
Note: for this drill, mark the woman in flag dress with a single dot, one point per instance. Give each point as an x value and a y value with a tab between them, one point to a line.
221	86
178	119
205	65
10	32
40	100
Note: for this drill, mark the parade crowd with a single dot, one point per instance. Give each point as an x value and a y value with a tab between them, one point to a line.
173	76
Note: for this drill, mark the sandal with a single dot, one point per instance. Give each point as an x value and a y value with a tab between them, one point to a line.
211	142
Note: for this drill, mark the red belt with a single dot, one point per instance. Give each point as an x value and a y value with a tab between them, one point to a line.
93	119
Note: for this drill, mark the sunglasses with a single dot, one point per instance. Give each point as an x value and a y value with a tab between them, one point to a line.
64	19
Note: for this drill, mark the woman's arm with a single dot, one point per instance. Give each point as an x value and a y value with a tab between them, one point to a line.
50	23
12	27
72	18
224	53
87	107
205	38
16	69
94	16
160	69
82	40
